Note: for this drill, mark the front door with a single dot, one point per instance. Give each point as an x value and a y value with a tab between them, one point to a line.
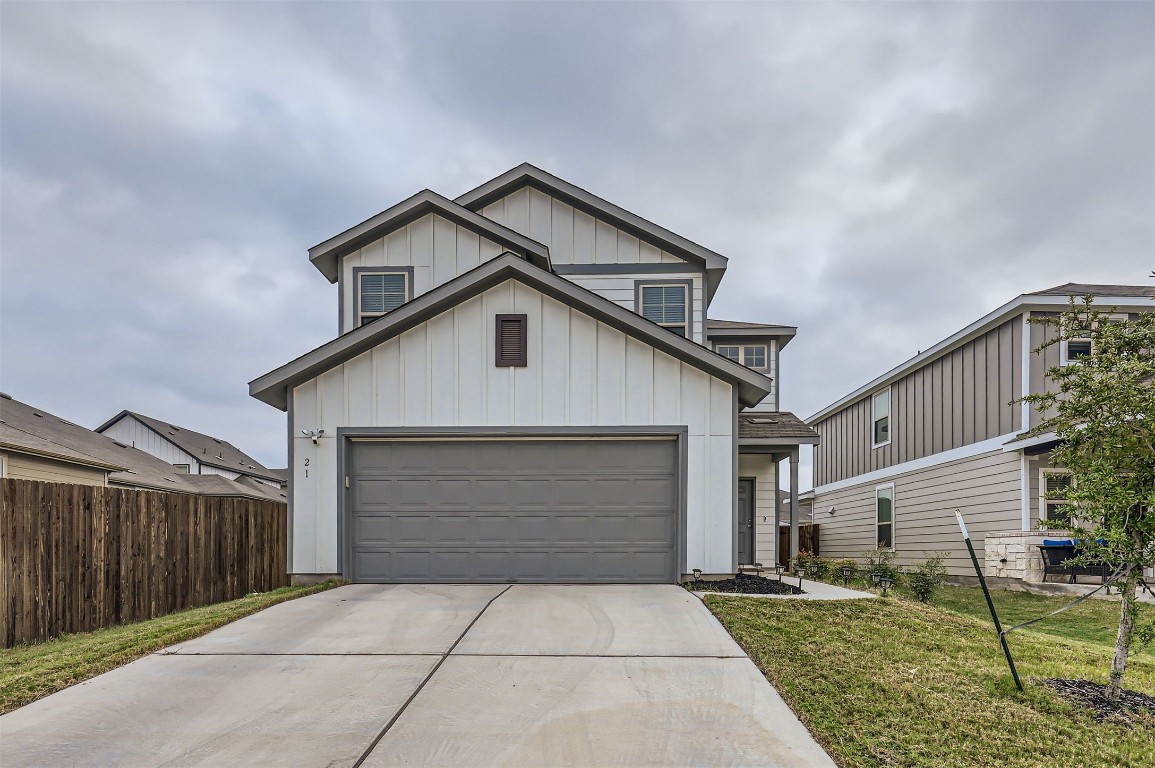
745	521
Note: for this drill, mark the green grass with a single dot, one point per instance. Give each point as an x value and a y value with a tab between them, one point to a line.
31	672
1093	621
897	683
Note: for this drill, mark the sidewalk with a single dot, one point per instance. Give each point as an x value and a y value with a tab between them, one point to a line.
814	590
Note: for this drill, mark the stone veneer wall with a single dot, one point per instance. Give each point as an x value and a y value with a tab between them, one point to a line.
1015	554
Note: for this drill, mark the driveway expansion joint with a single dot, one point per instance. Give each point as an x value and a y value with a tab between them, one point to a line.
396	715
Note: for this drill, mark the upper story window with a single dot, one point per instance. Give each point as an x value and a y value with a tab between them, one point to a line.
666	305
749	355
880	405
380	292
1079	344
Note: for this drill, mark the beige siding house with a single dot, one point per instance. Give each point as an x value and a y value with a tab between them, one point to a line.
943	431
527	386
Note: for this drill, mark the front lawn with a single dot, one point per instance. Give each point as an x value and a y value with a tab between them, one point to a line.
31	672
893	682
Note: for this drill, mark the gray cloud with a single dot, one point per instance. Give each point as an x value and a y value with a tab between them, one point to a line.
880	174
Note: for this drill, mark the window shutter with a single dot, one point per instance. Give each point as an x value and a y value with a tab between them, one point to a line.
512	342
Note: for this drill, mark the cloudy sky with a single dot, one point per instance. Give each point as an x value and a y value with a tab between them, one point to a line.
880	174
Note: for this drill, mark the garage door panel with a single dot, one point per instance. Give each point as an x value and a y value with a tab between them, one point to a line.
514	510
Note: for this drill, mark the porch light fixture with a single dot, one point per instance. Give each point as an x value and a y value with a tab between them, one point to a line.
885	582
697	574
846	575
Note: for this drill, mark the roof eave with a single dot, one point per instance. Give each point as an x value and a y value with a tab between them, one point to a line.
272	388
1016	306
325	256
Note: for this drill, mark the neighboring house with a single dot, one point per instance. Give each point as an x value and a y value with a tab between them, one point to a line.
941	431
527	387
37	445
189	452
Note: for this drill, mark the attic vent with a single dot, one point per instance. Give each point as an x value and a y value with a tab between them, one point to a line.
512	342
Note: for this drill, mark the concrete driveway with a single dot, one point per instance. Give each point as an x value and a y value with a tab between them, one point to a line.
432	676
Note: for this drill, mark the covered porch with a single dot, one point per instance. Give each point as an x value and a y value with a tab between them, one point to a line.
766	441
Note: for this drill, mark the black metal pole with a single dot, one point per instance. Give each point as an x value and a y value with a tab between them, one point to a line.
990	603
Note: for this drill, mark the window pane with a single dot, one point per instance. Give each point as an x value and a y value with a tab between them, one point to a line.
754	357
885	536
382	293
730	352
881	430
664	303
1077	348
884	504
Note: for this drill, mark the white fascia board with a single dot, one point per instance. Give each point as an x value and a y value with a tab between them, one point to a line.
944	457
1015	306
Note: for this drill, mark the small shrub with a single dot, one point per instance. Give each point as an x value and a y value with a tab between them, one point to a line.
881	561
927	577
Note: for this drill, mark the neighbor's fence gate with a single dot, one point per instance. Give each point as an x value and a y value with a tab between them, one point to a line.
77	558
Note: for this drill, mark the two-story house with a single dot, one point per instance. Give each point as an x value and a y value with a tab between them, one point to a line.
527	386
945	430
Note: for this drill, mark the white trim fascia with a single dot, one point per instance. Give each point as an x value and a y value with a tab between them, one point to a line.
1025	374
1015	306
943	457
1030	442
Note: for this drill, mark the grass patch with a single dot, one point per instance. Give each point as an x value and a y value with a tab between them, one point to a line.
898	683
31	672
1092	621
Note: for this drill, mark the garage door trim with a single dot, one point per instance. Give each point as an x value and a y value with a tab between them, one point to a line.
348	435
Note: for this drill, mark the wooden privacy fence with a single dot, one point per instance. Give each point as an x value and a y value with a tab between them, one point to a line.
807	541
79	557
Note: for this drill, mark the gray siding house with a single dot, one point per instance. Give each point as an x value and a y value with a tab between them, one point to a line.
526	386
941	431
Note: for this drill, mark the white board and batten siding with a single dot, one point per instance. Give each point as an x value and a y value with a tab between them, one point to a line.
134	433
575	237
437	249
985	487
581	373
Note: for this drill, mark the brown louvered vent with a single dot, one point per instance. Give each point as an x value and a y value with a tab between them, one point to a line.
511	349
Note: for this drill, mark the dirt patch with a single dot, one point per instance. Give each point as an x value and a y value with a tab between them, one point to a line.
746	584
1132	707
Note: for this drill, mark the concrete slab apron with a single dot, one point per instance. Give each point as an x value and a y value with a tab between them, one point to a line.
597	676
309	682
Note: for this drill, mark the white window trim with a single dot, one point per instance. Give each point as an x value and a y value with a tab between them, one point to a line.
1043	472
742	354
1064	360
893	515
889	418
384	271
687	290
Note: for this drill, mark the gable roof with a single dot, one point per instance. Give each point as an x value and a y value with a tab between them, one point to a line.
206	449
272	388
23	427
1050	300
717	329
1083	289
532	176
325	256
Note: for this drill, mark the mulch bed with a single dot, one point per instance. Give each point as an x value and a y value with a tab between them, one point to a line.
1133	707
746	584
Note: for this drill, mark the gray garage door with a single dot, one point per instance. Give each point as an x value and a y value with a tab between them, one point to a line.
507	510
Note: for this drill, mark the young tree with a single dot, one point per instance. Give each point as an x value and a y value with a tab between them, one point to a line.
1102	411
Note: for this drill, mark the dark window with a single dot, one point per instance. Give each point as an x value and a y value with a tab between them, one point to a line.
512	342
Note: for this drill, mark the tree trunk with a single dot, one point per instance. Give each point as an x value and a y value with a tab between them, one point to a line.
1127	611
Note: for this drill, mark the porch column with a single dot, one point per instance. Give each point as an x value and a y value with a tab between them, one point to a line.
793	506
